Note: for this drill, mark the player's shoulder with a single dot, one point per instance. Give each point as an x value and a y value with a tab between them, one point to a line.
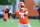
17	10
25	9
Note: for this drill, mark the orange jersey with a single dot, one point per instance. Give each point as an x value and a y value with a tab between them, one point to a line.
22	19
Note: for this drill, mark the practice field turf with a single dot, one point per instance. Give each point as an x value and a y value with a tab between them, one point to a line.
33	22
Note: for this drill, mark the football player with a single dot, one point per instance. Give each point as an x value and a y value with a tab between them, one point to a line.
11	12
23	15
38	7
6	10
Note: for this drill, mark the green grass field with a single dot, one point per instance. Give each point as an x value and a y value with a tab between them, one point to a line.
33	22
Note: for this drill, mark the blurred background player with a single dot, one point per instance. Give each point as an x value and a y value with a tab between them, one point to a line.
22	13
6	10
39	11
38	7
11	12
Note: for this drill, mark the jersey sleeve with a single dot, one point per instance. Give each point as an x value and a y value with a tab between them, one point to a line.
17	13
26	11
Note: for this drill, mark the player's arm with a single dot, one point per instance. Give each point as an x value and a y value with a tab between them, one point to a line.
26	13
13	14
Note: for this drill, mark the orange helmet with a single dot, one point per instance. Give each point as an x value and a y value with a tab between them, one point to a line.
21	4
5	7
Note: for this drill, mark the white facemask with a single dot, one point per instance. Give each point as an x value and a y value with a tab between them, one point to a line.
22	8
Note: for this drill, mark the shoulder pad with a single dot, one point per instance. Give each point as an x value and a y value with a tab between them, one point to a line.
25	9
